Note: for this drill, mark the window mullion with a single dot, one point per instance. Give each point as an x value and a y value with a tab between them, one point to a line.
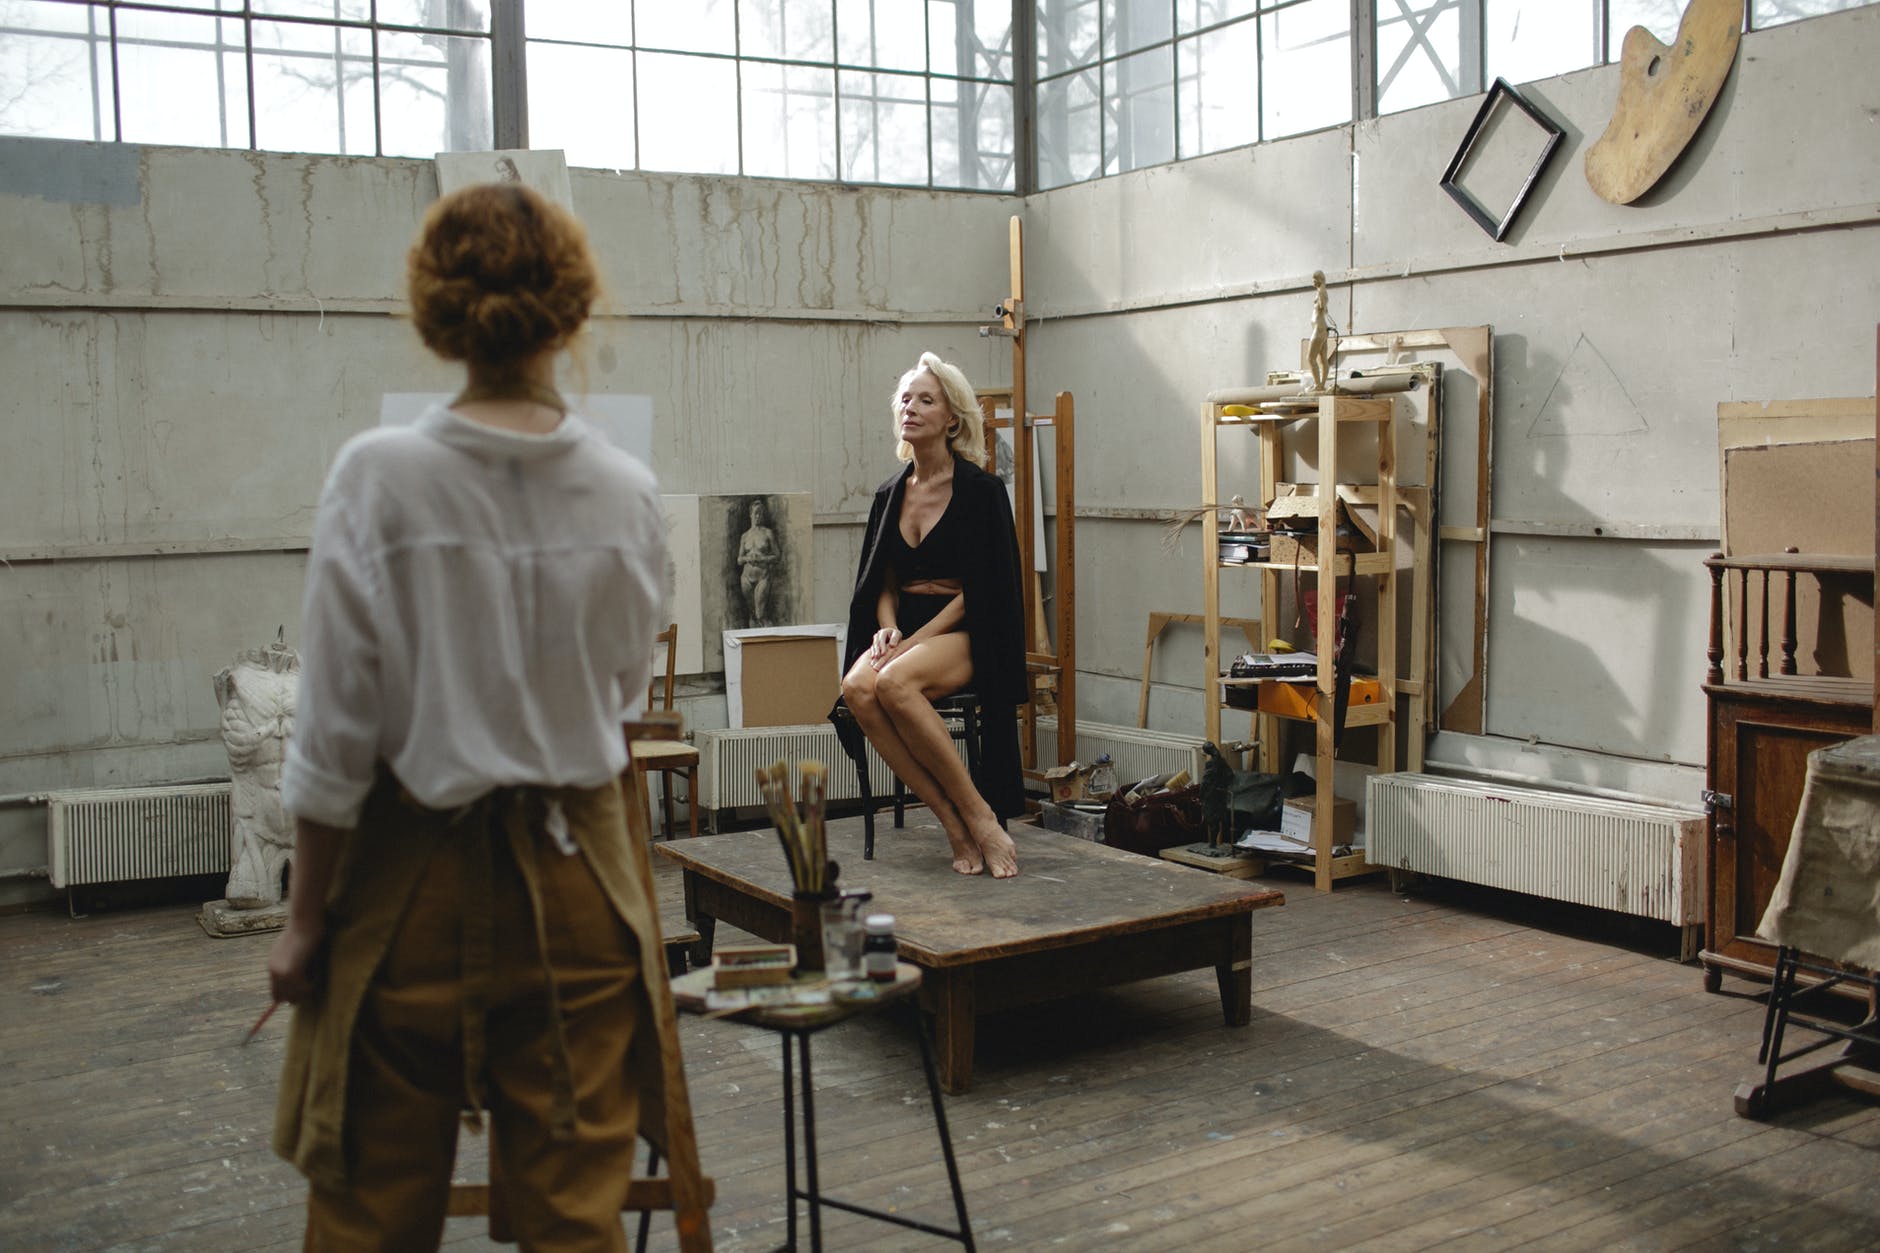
1472	57
1024	96
1363	59
509	75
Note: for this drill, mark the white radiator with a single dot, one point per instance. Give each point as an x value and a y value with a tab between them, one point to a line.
1135	753
107	835
1633	858
728	761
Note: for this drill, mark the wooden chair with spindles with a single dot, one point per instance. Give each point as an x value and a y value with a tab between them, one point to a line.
669	756
666	1106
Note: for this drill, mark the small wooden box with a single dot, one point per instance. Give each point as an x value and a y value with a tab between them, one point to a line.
1301	700
1302	549
753	965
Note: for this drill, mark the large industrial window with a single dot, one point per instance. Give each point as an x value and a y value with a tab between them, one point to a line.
1431	50
916	92
391	78
1126	83
929	93
911	92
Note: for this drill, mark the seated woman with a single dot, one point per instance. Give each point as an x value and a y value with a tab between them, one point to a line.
936	610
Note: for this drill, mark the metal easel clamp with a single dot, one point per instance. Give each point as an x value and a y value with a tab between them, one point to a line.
1011	312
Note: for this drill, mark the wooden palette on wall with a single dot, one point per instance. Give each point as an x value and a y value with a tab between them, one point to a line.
1664	95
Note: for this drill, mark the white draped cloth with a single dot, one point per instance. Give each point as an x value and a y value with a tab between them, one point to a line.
1827	900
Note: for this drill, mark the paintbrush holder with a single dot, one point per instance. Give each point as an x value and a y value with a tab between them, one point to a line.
806	930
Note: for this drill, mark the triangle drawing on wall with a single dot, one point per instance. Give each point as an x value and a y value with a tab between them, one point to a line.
1587	398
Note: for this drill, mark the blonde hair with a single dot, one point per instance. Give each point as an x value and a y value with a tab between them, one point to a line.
966	435
498	274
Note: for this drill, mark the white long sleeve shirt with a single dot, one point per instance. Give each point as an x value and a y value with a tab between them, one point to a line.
480	612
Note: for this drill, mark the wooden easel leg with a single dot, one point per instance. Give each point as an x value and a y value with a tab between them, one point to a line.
690	1193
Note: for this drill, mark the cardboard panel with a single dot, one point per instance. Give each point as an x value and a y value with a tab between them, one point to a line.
1817	498
790	680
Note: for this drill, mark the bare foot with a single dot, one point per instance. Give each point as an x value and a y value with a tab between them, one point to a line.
1000	853
966	855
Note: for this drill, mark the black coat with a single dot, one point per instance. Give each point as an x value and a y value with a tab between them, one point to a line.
995	620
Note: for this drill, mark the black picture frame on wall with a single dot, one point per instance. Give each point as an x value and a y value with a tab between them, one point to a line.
1505	128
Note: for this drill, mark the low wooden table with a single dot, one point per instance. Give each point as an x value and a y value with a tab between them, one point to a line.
1079	916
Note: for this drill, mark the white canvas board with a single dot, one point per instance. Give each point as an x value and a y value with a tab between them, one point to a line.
733	642
1007	469
682	580
543	169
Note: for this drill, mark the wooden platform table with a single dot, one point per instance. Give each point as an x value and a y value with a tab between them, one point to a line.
1079	916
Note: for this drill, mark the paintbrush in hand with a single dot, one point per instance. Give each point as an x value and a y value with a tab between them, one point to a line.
261	1022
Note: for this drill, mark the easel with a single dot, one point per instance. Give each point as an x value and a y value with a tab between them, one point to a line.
1160	621
1044	664
684	1189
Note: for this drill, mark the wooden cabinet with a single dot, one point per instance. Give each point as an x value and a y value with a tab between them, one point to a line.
1762	728
1761	733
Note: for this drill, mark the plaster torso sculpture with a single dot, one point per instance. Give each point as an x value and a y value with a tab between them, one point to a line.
257	697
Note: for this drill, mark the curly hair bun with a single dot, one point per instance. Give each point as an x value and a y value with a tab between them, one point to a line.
499	274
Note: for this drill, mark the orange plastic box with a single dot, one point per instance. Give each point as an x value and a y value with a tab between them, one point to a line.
1301	700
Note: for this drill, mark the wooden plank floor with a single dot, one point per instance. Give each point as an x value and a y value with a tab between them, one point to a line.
1457	1070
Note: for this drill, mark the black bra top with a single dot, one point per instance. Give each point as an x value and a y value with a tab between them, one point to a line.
939	554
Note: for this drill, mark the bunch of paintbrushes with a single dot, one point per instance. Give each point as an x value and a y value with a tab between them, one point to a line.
804	835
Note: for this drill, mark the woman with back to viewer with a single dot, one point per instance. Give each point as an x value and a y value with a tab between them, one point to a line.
936	609
466	925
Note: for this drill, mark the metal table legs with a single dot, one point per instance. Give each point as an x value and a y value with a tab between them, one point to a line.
793	1087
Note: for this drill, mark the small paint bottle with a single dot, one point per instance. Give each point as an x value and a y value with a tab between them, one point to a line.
878	948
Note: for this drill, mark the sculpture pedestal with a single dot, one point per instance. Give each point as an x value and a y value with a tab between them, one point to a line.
221	919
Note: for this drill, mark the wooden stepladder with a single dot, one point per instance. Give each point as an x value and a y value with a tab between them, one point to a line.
666	1125
1046	664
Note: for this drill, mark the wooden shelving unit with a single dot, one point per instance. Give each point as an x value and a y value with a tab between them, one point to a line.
1269	420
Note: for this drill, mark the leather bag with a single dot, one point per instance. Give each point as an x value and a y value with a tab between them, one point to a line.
1155	822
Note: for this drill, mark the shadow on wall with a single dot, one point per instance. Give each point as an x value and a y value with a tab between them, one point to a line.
1585	643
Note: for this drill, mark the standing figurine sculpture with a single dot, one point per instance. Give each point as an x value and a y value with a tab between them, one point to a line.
1318	348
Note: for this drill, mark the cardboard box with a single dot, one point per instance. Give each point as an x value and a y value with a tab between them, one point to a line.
1301	700
1297	817
1067	782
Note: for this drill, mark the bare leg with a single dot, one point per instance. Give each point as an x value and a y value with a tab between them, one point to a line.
906	688
859	691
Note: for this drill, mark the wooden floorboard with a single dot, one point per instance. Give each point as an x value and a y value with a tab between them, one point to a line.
1453	1070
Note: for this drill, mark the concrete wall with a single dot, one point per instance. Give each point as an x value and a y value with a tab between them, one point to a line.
188	336
1751	273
